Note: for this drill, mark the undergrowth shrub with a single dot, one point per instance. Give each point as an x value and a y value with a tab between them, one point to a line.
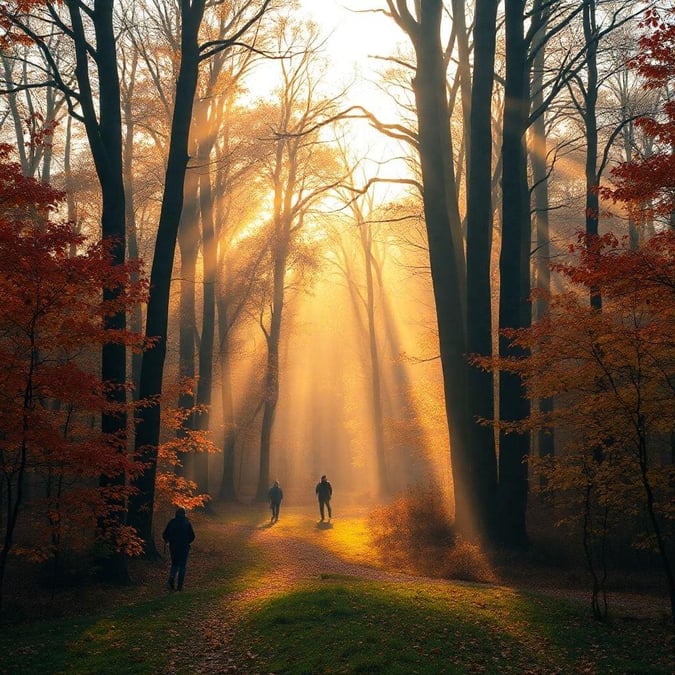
415	533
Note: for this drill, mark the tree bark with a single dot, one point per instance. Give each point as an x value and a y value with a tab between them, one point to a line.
542	258
271	390
147	431
227	485
188	245
445	244
514	268
136	318
283	193
376	386
103	127
209	257
479	263
591	126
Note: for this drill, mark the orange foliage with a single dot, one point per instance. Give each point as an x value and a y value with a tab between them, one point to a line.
11	12
655	61
646	184
415	533
170	487
612	375
51	394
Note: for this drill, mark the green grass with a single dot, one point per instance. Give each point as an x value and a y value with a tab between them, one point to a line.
335	624
349	627
370	628
132	640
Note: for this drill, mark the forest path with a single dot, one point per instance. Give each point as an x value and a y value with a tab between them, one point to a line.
297	551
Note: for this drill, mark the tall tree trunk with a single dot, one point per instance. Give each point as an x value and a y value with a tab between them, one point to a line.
283	194
71	211
188	244
209	256
136	317
542	258
514	268
13	106
591	126
375	370
445	244
464	59
479	262
113	358
228	489
271	391
48	149
103	124
147	431
227	485
628	142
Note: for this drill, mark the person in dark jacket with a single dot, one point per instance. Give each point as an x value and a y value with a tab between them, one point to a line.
179	535
276	494
324	492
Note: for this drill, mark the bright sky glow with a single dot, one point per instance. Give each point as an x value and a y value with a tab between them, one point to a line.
356	33
356	37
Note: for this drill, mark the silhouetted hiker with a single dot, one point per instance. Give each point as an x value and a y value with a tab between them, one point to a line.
324	492
179	533
276	494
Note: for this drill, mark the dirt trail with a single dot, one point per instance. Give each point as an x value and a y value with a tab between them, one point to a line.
296	560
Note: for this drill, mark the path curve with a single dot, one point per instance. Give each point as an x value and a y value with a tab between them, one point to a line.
296	560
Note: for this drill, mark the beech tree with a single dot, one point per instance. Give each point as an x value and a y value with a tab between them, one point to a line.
479	236
193	52
90	85
443	223
52	319
461	280
611	373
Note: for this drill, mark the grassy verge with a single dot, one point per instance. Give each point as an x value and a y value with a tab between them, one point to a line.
346	626
361	627
139	629
333	624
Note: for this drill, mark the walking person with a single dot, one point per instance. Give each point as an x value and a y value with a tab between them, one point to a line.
324	492
179	535
275	494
